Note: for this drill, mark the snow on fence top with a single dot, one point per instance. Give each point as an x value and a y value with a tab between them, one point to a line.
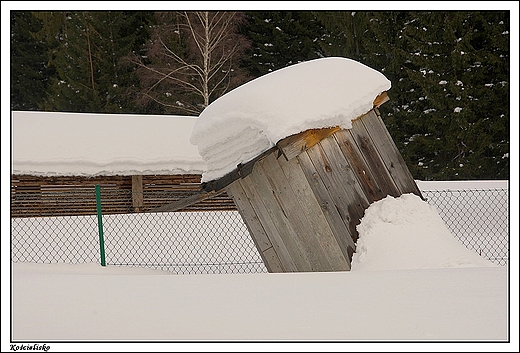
252	118
80	144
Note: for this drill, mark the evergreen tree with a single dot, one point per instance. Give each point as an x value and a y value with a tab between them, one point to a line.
86	57
449	103
453	94
344	34
448	110
280	39
30	73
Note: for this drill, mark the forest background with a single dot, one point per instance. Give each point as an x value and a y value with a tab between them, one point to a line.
449	108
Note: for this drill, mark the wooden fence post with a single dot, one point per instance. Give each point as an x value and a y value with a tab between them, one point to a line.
137	192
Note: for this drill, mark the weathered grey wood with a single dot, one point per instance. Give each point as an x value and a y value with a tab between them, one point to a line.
313	217
256	230
304	234
307	198
268	211
372	173
289	216
389	153
340	180
272	261
337	221
137	192
292	146
250	217
362	171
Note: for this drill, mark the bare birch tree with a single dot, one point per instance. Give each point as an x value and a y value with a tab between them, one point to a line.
192	59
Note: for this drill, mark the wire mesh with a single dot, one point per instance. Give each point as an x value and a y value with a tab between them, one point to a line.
479	219
210	242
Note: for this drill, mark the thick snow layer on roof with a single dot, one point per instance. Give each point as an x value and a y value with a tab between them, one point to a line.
252	118
53	143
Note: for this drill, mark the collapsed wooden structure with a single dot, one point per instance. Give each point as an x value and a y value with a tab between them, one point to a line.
302	199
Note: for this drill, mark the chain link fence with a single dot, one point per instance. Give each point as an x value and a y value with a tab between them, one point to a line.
479	219
210	242
183	242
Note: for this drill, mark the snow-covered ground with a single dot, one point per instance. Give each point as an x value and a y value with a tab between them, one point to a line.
410	280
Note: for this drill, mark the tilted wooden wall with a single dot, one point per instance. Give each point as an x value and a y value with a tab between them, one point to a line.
303	200
35	196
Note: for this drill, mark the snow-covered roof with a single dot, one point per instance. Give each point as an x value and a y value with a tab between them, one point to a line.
54	143
234	129
252	118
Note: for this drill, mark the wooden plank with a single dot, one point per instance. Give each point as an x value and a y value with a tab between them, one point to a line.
274	221
31	180
281	233
185	202
363	173
335	219
340	181
380	99
249	216
272	261
389	153
315	220
256	230
370	169
304	234
339	221
176	179
137	192
293	145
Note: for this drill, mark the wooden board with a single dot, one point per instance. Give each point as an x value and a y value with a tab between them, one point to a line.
336	219
315	222
380	99
339	178
359	166
303	233
267	210
389	153
137	192
267	180
256	230
295	144
370	169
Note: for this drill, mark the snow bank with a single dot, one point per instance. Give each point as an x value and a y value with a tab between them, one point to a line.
408	233
252	118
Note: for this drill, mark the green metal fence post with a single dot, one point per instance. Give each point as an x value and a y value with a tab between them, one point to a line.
100	225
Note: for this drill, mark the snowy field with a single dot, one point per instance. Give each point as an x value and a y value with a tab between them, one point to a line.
411	281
